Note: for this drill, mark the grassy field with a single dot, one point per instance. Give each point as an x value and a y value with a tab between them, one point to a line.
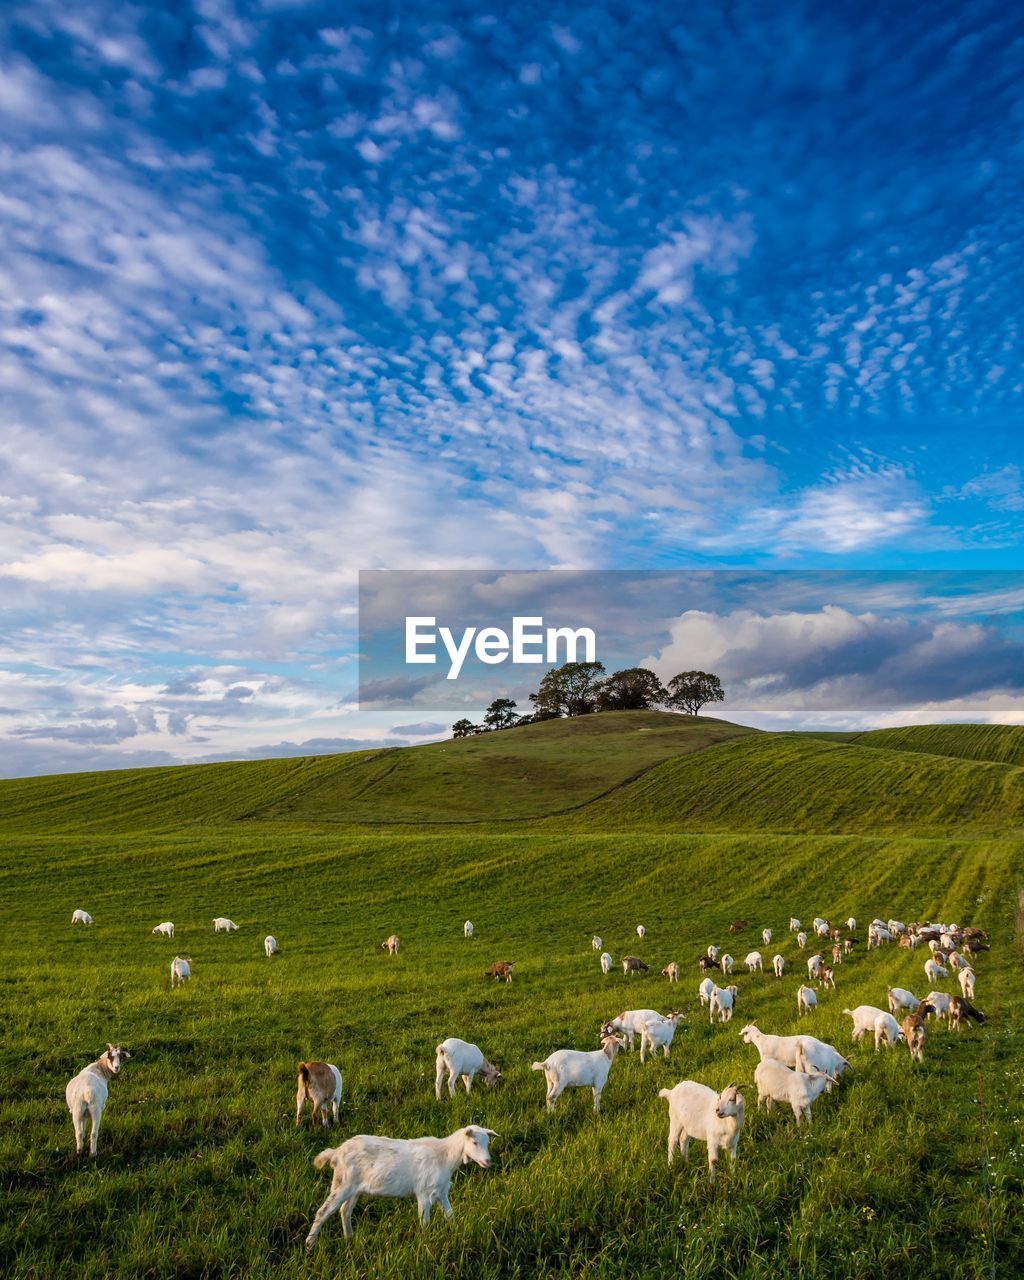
915	1170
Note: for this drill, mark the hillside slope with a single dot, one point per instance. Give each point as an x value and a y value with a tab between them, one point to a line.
1000	743
777	782
521	773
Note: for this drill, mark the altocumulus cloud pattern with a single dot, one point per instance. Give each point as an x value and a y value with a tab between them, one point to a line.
291	290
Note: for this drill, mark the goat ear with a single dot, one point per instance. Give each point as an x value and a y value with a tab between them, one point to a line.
493	1133
110	1047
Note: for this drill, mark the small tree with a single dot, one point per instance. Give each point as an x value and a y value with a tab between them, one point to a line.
464	729
501	714
634	689
569	690
691	690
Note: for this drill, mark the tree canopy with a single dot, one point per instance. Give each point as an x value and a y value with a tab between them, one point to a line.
633	689
691	690
569	690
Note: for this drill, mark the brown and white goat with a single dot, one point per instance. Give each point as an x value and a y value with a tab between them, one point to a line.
320	1086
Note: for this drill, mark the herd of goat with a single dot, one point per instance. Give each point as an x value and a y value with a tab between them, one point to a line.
794	1070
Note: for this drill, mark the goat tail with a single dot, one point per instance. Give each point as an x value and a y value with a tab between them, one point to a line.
664	1093
325	1157
539	1066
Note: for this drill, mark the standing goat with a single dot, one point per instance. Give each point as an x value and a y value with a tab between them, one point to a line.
86	1094
572	1068
320	1086
390	945
420	1167
460	1058
695	1111
181	971
270	945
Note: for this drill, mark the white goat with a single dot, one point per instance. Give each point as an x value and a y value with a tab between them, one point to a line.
814	966
788	1049
641	932
222	924
794	924
86	1094
766	936
606	962
270	944
883	1026
181	971
801	939
596	943
900	998
460	1058
754	962
658	1035
806	1000
727	963
712	952
778	1083
938	1004
851	924
167	929
695	1111
723	1001
319	1084
78	916
420	1167
467	929
966	977
576	1069
933	971
630	1023
778	964
391	944
704	991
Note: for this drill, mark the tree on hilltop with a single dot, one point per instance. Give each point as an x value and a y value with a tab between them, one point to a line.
633	689
569	690
691	690
464	729
501	714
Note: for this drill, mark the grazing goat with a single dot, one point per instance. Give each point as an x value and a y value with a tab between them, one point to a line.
788	1049
79	916
794	924
167	929
959	1008
848	945
460	1058
319	1084
695	1111
826	977
754	962
966	978
801	939
778	964
270	945
671	971
766	936
704	991
915	1035
814	966
727	964
630	1023
596	943
899	998
737	926
851	924
723	1001
633	964
938	1004
712	952
837	954
606	962
933	971
181	971
391	945
806	1000
223	925
704	963
575	1069
86	1094
641	932
866	1018
800	1088
467	929
655	1035
500	969
420	1167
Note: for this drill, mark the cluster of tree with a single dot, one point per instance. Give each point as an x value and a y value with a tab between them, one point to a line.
582	688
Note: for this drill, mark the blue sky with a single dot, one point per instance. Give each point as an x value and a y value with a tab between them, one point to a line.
291	290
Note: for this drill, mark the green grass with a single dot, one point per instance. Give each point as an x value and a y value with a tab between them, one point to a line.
915	1170
1002	743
